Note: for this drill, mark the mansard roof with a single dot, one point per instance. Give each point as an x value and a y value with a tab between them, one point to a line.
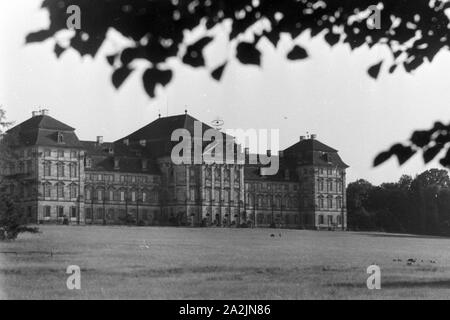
43	130
313	152
130	159
158	134
42	122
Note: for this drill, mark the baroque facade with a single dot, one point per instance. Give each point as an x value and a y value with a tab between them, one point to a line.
59	179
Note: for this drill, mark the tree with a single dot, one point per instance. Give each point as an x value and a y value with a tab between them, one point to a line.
413	31
12	220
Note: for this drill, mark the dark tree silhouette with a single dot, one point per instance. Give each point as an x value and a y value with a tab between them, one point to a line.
12	220
414	32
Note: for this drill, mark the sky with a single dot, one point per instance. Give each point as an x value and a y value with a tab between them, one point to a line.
328	94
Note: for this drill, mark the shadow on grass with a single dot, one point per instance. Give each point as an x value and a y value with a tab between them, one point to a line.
400	284
400	235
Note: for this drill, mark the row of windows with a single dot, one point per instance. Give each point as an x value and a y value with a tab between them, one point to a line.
62	170
330	185
48	190
330	203
61	212
61	153
115	214
271	187
123	178
331	220
121	195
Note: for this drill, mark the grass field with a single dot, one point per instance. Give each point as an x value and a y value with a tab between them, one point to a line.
185	263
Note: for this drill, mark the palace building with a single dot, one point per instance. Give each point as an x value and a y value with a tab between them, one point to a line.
57	178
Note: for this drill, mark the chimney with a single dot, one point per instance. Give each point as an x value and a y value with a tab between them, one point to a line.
302	138
313	136
44	112
269	153
35	114
99	140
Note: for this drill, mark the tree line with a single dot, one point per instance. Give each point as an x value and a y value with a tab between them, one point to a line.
419	205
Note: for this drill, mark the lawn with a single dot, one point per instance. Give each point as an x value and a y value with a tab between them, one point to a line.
207	263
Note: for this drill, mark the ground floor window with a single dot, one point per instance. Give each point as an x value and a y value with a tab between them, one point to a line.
100	212
330	220
60	212
89	213
47	211
339	219
73	212
320	219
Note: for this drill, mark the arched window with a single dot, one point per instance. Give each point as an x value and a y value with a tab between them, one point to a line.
73	170
73	191
60	190
47	169
60	168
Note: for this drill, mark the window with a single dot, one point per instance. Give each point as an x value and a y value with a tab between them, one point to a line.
60	190
122	195
320	219
47	169
330	185
73	212
321	203
100	213
100	195
110	195
88	194
47	153
47	211
60	212
88	163
60	137
321	185
330	220
61	153
30	212
73	191
47	190
339	220
73	154
61	170
73	170
133	196
330	203
88	213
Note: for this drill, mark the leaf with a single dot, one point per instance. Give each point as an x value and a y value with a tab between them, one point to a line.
194	53
402	152
273	37
111	59
382	157
120	75
297	53
421	138
218	72
375	70
58	50
248	54
38	36
431	152
154	76
332	38
392	68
